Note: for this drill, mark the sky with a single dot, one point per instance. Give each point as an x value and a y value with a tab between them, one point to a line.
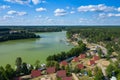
59	12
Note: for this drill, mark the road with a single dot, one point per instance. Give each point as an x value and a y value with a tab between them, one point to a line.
104	50
102	68
74	76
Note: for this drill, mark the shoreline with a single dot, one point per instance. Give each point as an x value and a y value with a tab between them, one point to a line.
74	43
39	48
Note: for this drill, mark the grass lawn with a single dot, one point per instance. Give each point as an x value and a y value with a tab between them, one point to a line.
85	78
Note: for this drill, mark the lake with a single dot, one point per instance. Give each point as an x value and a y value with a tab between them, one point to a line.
31	50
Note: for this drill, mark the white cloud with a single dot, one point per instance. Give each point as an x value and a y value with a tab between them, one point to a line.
60	12
41	9
12	12
118	9
92	8
81	20
21	13
72	12
113	15
4	7
103	15
36	1
7	16
48	19
19	1
38	17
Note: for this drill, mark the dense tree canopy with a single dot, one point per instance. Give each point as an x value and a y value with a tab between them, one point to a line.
8	34
64	55
110	36
6	74
98	74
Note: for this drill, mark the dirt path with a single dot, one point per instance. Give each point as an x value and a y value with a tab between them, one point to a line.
74	76
53	76
104	50
103	69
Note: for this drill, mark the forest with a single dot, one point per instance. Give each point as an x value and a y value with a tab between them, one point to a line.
65	55
36	28
8	34
108	37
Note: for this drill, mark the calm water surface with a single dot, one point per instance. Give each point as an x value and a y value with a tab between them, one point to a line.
33	49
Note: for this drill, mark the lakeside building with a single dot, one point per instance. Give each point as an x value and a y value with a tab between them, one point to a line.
50	70
61	73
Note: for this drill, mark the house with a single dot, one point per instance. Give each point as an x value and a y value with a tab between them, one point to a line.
82	56
64	63
61	73
35	73
95	58
50	70
80	66
75	59
92	53
91	62
67	78
88	53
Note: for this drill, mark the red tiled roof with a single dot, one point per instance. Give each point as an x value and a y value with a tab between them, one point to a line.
95	58
50	70
64	63
80	66
67	78
92	62
76	59
82	56
61	73
35	73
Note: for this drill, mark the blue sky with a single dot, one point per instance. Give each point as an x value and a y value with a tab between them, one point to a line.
59	12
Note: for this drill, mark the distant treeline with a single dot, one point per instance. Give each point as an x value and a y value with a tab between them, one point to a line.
97	34
54	28
44	29
4	29
8	34
36	28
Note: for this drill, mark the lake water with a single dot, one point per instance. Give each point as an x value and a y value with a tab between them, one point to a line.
31	50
